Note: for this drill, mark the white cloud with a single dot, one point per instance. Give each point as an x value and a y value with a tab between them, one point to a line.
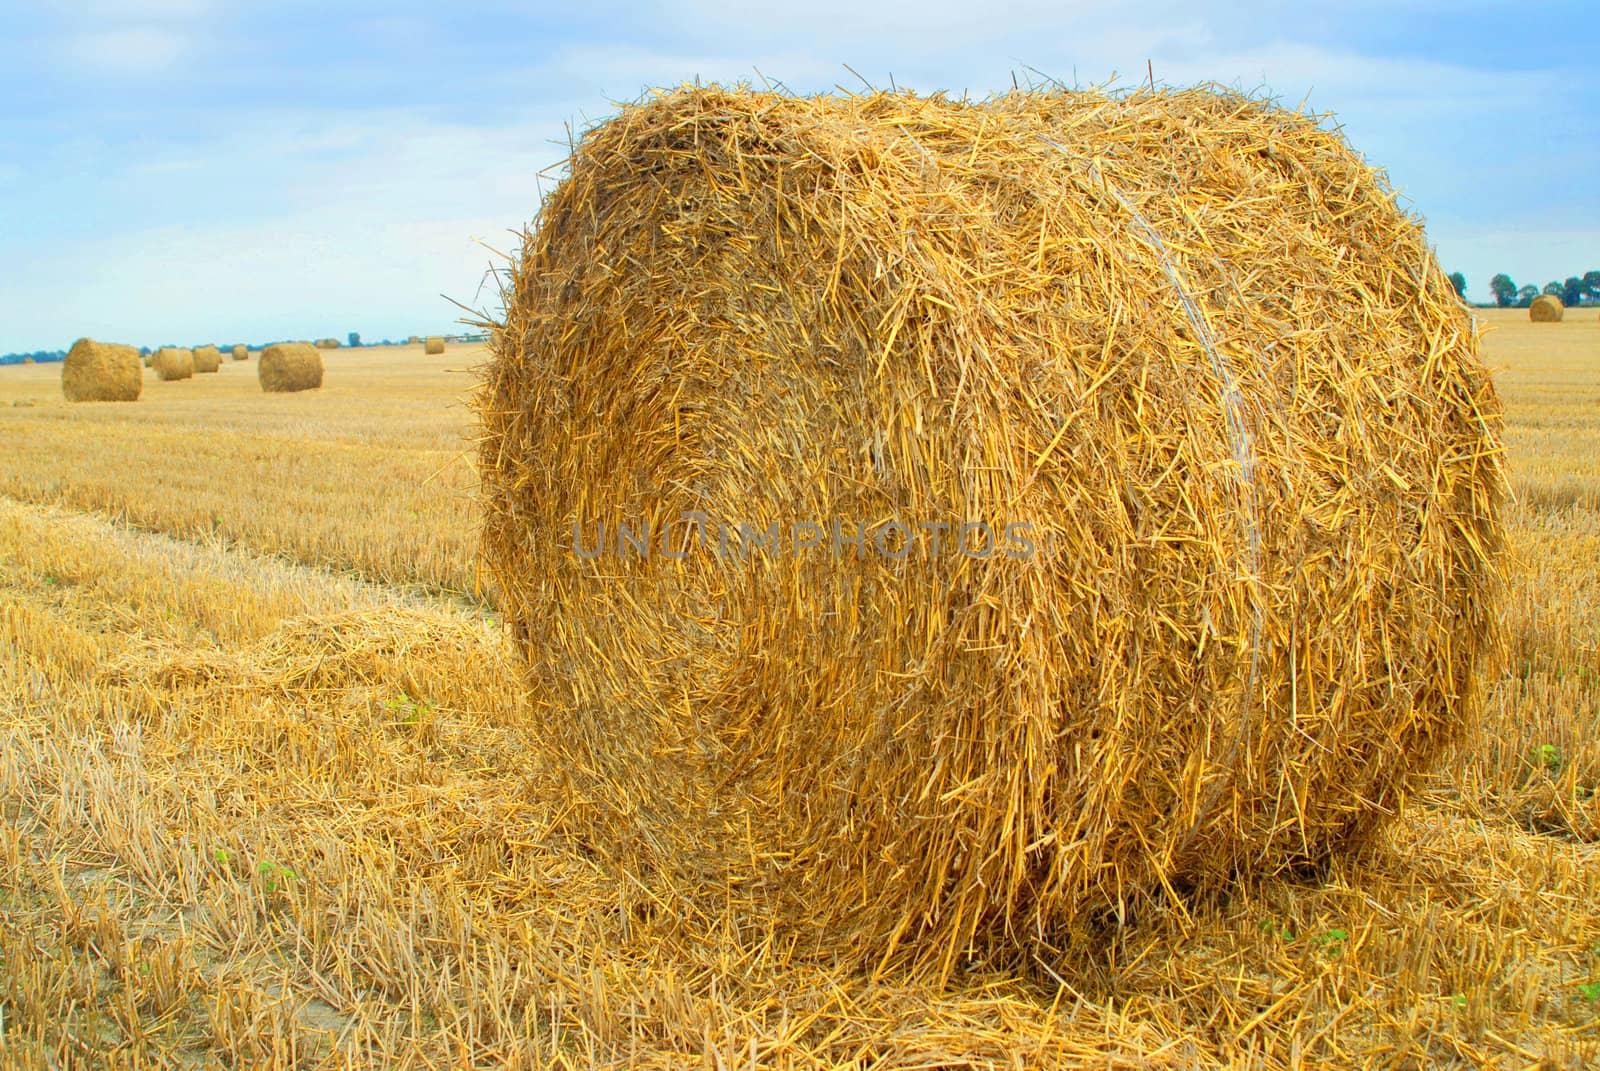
361	229
1336	76
166	166
333	221
126	53
133	10
305	276
399	32
596	76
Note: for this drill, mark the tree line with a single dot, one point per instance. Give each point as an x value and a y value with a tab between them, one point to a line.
37	357
1508	295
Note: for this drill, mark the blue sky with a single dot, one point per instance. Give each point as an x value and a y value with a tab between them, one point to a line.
198	170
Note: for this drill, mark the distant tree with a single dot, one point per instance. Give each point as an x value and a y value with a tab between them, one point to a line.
1591	283
355	338
1555	289
1504	290
1526	295
1459	281
1572	291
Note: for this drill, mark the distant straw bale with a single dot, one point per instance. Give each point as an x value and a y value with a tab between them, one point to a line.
327	343
434	345
1546	309
102	372
241	352
1163	333
172	362
207	359
289	366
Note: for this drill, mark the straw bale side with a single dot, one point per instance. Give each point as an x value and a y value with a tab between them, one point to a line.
173	362
289	366
102	372
1186	338
1546	309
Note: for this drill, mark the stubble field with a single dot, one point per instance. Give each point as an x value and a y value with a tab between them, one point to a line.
266	798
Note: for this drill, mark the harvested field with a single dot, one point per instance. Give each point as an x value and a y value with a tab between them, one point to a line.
268	796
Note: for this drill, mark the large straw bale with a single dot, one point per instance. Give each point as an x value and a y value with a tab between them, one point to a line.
241	352
173	362
289	366
433	345
207	359
102	372
1187	336
1546	309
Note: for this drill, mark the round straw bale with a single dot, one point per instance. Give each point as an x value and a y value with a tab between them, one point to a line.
101	372
1238	491
289	366
1546	309
207	359
433	345
327	343
173	362
241	352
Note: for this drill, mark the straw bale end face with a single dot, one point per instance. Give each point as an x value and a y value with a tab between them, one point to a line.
289	366
173	362
102	372
750	476
1546	309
